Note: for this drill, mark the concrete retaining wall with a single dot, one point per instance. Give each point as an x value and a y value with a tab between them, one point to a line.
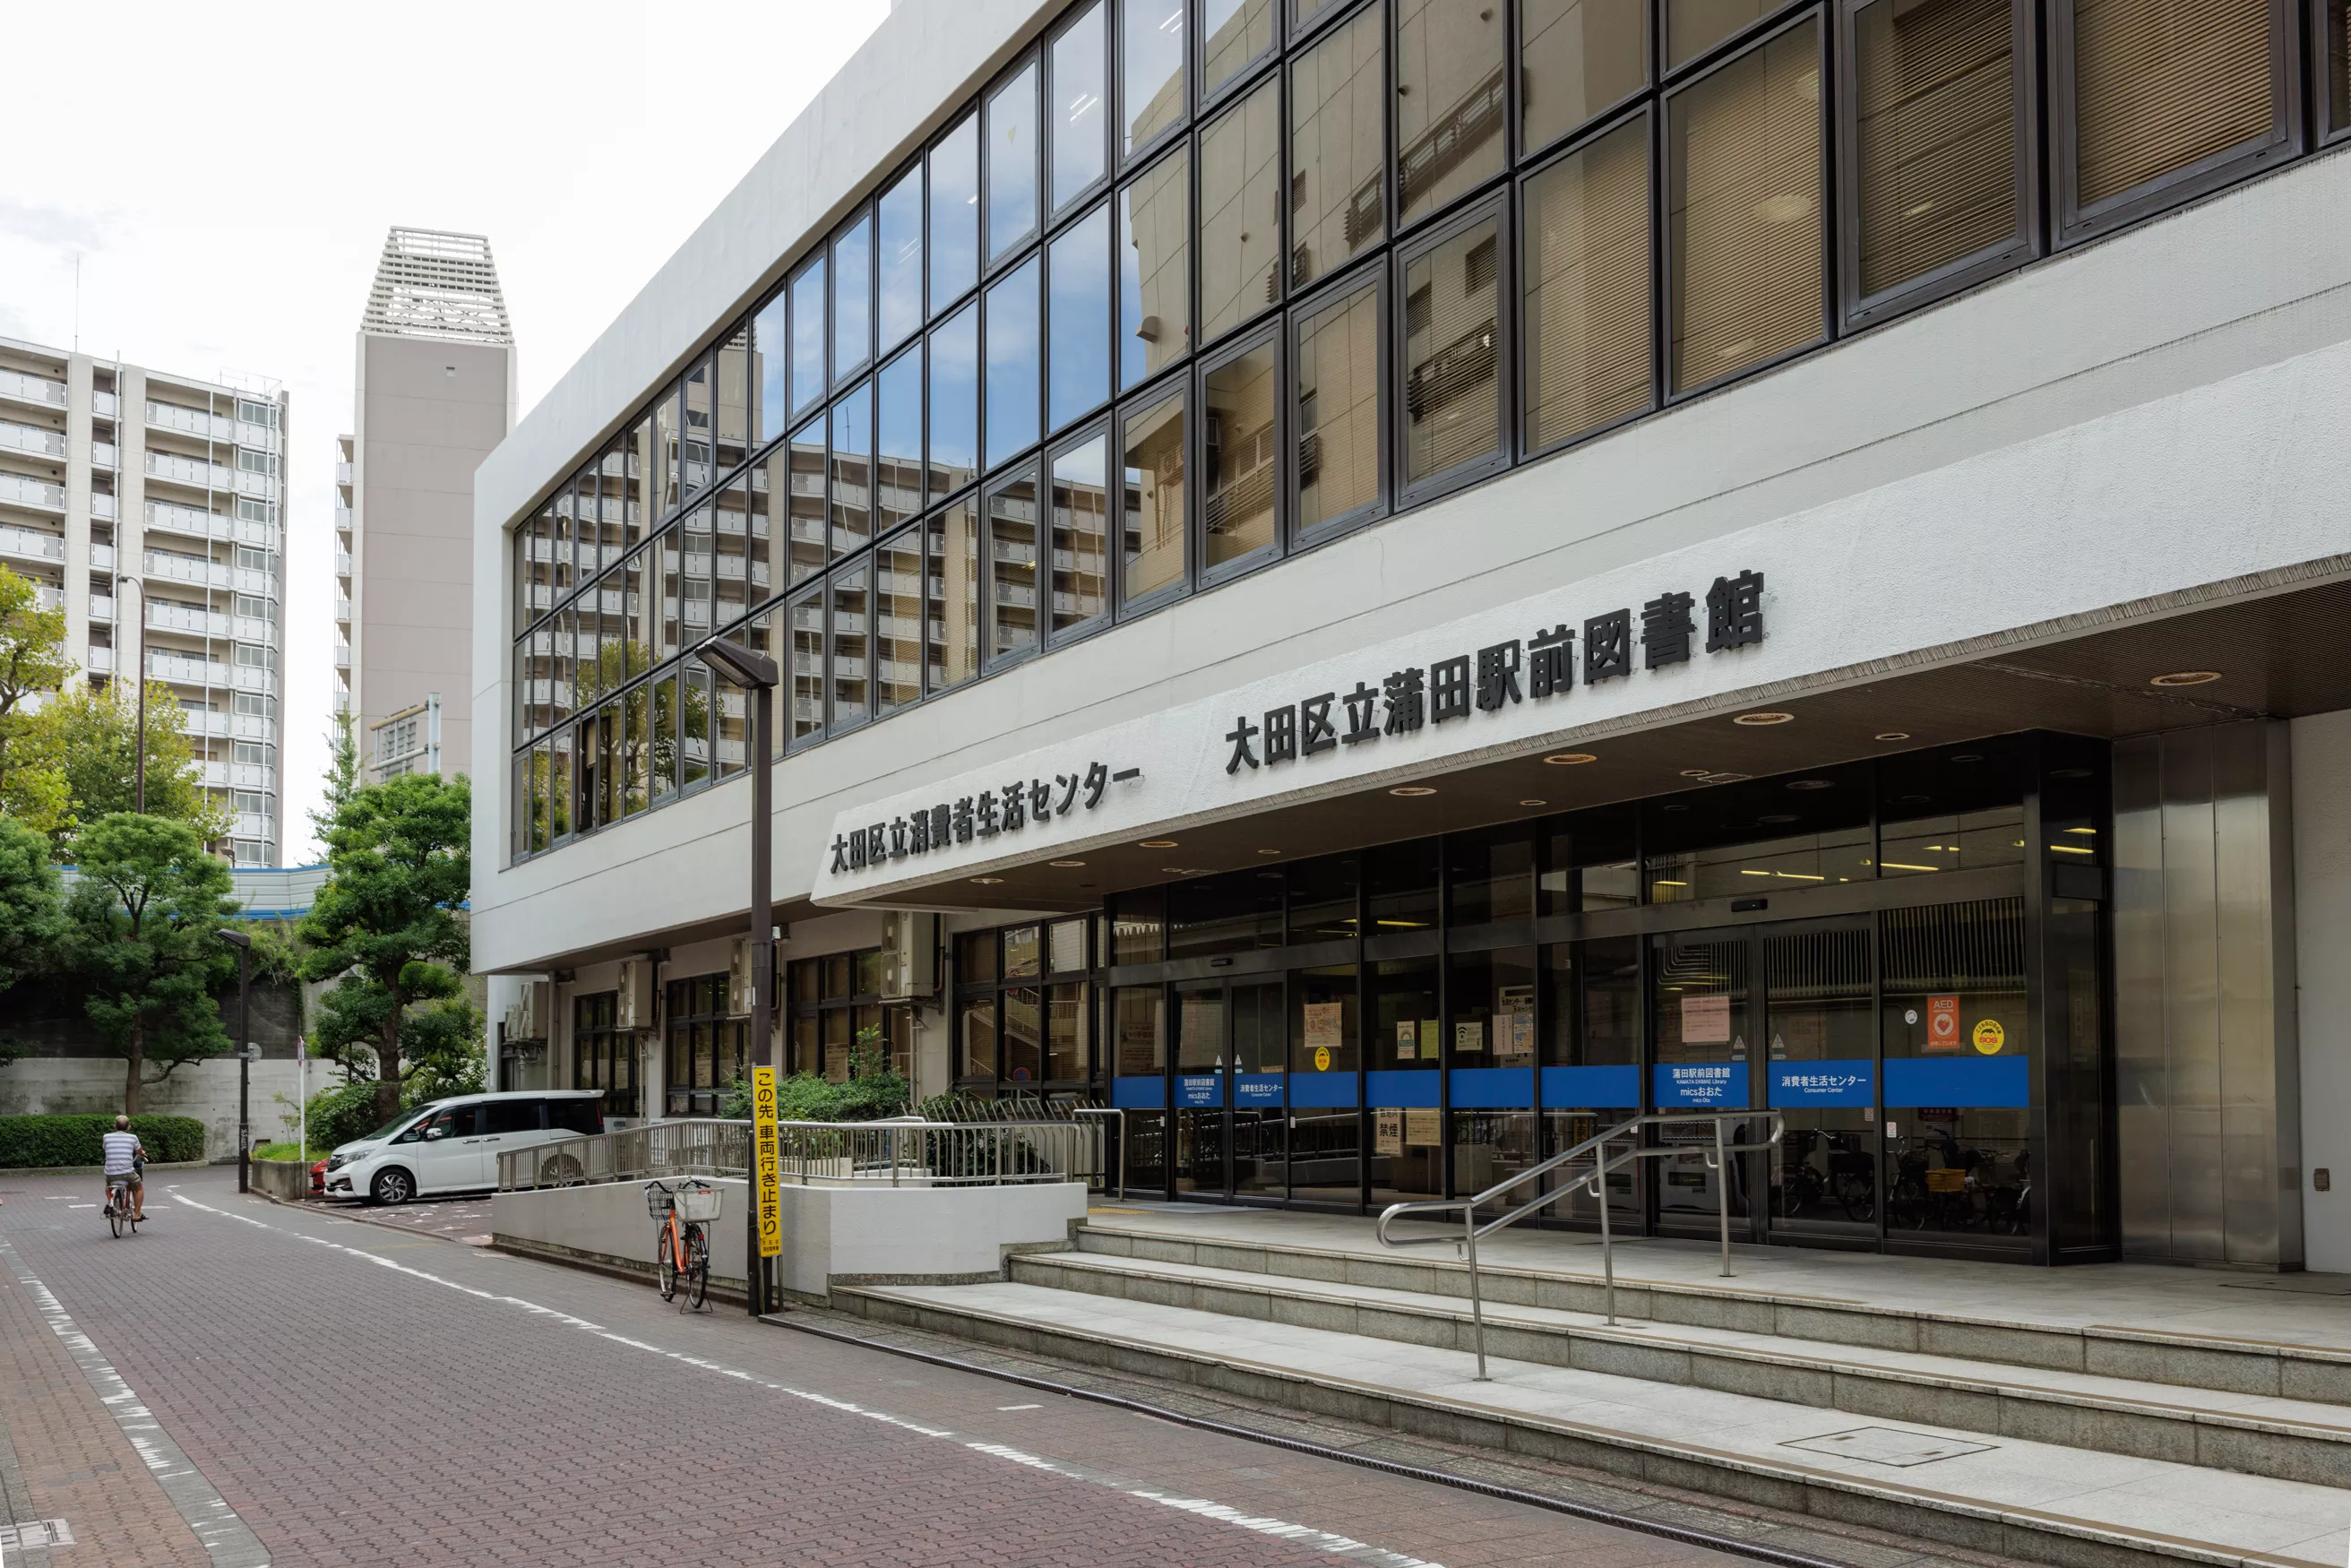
879	1235
288	1179
92	1086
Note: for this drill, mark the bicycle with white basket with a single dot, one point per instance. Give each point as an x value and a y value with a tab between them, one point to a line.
682	1247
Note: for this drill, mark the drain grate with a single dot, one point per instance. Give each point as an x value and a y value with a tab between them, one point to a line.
35	1532
1889	1446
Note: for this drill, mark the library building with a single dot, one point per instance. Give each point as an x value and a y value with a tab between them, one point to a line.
1378	587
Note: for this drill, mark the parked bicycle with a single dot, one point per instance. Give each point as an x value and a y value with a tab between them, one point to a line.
682	1246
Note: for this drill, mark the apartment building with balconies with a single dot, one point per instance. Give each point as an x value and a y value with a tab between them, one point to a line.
151	506
435	393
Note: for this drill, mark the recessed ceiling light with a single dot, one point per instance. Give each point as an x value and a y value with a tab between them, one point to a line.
2069	773
1570	758
1891	735
1175	871
1968	757
988	881
1753	720
1534	802
1677	806
1066	864
1269	851
1412	791
1696	772
1158	844
1912	799
1813	784
2186	678
1776	818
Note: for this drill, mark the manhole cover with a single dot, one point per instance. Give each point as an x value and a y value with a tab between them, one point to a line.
1889	1446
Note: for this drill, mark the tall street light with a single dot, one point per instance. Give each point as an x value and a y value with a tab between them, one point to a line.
139	800
243	945
757	675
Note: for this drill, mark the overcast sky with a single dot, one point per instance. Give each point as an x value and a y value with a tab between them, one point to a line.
226	178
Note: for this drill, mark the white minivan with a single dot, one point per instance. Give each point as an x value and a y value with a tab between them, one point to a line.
452	1146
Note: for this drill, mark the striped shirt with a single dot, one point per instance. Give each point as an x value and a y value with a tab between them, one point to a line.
119	1149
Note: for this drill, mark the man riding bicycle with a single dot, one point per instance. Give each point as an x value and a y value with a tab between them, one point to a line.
124	1155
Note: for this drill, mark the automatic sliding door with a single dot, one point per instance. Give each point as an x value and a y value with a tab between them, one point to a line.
1822	1066
1700	1009
1200	1121
1326	1140
1259	1142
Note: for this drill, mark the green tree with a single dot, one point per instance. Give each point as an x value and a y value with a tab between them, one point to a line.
89	735
32	917
142	935
33	662
388	929
343	775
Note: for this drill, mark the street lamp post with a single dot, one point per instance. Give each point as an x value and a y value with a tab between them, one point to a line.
756	673
243	945
139	673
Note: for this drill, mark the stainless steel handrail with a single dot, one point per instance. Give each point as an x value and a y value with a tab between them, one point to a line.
900	1151
1603	1162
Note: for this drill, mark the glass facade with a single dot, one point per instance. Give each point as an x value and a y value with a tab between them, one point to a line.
1286	269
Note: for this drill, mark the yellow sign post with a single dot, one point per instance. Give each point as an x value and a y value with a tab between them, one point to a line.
766	1163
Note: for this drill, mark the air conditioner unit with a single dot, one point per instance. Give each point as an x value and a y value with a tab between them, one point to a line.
740	997
634	1008
909	955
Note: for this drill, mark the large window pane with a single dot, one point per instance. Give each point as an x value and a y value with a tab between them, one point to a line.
1151	531
740	582
1577	58
694	584
1077	312
1451	111
852	471
1338	409
805	615
1151	69
663	739
898	621
954	402
807	524
1234	33
1012	163
731	422
1338	148
1012	363
559	822
1743	150
1587	287
693	724
1935	130
898	440
1694	26
852	651
1080	536
808	335
771	382
852	311
1240	213
955	214
898	255
1452	395
1012	566
1240	459
2160	84
951	598
1080	142
730	712
666	494
1155	268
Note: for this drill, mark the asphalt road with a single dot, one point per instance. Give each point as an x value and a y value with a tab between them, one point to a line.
244	1382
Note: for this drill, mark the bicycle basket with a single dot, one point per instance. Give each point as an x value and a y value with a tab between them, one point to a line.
697	1202
659	1200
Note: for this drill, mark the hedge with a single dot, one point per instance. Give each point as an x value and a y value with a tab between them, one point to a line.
33	1141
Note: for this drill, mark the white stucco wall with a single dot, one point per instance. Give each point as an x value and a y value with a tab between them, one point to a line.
2322	872
92	1086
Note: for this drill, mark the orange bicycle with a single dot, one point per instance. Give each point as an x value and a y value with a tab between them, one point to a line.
682	1246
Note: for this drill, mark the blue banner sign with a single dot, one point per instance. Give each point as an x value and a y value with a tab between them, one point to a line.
1997	1082
1412	1090
1194	1090
1257	1089
1709	1083
1592	1087
1847	1083
1493	1088
1139	1093
1325	1091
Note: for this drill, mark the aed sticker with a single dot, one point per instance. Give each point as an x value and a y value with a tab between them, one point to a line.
1321	1059
1989	1036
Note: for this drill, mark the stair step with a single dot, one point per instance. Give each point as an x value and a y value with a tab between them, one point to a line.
2029	1500
2310	1372
2256	1434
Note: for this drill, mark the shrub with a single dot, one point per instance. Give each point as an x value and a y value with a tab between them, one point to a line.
872	1092
37	1141
343	1112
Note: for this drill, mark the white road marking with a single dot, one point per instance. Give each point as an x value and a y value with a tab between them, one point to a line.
1020	1407
1314	1540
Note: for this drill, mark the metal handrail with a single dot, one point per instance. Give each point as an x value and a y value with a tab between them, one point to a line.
1596	1181
900	1151
1120	1156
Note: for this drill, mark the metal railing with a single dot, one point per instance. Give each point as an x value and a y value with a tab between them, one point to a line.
907	1152
1597	1161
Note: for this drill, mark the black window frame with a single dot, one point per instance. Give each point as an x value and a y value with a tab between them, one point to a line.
1326	295
1174	382
1052	212
1089	975
1272	336
1495	206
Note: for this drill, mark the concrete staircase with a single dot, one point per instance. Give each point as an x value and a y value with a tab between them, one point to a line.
2068	1443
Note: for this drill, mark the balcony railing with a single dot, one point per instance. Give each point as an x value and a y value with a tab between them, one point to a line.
35	493
26	545
186	670
342	609
31	389
184	568
179	618
103	404
342	563
190	421
102	607
193	471
101	661
104	454
190	520
102	558
342	656
342	473
32	438
47	598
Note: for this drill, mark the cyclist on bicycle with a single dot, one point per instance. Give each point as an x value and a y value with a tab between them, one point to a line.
124	1155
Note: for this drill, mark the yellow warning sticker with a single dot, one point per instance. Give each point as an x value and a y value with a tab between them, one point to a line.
1989	1036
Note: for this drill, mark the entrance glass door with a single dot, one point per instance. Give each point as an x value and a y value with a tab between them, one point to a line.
1200	1089
1231	1128
1822	1067
1700	1011
1260	1127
